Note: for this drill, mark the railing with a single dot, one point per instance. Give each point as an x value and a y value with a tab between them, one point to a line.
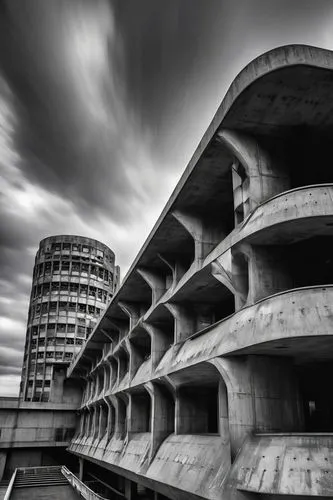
10	486
80	487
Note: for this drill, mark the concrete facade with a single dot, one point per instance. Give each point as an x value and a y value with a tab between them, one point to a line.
73	280
207	376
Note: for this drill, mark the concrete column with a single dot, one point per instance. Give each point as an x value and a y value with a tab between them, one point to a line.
177	267
261	176
81	468
133	311
120	407
3	459
205	235
160	343
135	359
269	272
183	320
156	282
162	415
110	418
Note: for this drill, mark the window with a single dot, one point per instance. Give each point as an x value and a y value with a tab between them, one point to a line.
58	354
70	328
51	341
75	267
78	341
50	354
91	310
67	246
65	267
60	341
53	307
85	249
69	341
51	326
40	355
68	354
73	287
83	290
47	383
56	265
48	267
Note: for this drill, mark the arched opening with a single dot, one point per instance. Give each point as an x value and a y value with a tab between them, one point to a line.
202	401
123	363
140	348
140	411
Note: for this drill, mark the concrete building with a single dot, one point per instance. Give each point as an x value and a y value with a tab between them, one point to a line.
73	280
208	375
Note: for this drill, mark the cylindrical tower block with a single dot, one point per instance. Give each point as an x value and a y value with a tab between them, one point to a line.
73	280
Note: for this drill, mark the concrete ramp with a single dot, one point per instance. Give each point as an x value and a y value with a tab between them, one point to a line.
285	464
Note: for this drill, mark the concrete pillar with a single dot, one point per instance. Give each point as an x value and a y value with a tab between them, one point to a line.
257	175
133	311
160	343
156	282
184	321
3	459
205	235
81	468
162	415
120	407
110	425
177	267
269	272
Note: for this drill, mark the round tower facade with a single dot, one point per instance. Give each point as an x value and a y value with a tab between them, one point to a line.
73	280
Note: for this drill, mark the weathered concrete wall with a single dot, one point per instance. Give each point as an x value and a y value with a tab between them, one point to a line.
24	424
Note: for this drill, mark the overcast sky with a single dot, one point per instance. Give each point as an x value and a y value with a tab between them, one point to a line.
102	104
